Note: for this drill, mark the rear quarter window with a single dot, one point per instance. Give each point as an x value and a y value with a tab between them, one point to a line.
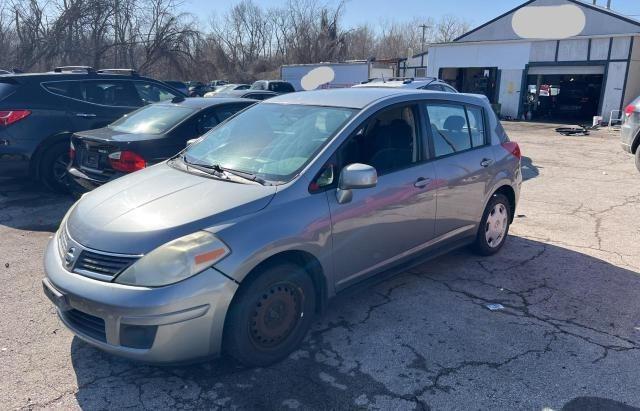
7	89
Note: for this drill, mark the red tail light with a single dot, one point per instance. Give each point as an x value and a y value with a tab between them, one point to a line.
513	148
8	117
127	161
628	111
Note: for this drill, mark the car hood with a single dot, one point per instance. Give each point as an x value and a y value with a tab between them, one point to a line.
141	211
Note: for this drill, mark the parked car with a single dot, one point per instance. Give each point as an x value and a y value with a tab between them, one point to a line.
227	87
277	86
198	89
252	94
425	83
145	137
179	85
630	131
235	244
39	112
218	83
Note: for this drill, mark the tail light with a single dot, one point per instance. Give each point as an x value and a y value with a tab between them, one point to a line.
127	161
628	111
513	148
8	117
72	152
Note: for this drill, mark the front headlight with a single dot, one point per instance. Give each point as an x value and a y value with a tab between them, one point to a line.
176	260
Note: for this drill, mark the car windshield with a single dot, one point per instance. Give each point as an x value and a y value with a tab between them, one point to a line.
154	119
272	141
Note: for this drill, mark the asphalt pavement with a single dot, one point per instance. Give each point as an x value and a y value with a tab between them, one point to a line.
567	337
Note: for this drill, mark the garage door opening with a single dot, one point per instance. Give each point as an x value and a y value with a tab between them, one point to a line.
563	97
476	80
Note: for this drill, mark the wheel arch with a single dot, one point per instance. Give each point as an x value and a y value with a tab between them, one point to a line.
47	143
510	193
636	143
305	260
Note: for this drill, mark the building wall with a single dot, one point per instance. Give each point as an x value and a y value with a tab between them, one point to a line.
632	89
509	58
512	58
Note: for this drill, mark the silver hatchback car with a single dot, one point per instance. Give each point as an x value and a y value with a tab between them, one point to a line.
630	130
235	244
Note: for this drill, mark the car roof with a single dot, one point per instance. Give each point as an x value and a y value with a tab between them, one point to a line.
343	97
53	76
201	102
398	83
360	98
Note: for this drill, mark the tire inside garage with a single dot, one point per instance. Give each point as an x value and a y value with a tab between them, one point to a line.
564	94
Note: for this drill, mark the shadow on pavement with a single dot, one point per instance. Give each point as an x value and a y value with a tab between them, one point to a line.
428	309
26	205
529	170
596	404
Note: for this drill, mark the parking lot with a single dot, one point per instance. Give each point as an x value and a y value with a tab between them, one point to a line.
567	338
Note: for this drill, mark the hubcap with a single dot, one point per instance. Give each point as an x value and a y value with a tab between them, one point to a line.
496	226
275	315
60	167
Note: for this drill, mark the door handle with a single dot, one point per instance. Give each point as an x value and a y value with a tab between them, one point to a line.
422	182
85	115
486	162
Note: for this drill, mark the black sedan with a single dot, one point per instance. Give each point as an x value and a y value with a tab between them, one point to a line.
252	94
144	137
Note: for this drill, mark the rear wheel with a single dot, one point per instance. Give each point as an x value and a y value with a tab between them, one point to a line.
494	226
270	316
53	167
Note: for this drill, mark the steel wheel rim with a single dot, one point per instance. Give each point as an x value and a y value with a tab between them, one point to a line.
275	315
60	167
496	225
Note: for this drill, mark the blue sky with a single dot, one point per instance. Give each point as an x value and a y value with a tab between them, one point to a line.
374	11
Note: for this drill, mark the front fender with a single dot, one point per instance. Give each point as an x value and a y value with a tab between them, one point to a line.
302	224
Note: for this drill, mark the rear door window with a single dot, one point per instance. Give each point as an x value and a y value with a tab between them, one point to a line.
110	93
449	128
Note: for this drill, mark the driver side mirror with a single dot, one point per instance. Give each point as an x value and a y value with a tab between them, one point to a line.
355	177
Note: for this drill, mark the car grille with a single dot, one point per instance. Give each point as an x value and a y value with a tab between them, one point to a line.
102	264
86	324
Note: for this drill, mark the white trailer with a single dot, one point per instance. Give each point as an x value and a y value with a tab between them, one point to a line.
333	75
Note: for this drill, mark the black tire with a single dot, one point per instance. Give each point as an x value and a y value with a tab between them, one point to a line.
270	315
488	246
638	158
53	167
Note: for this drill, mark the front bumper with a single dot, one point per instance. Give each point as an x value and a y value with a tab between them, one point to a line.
186	319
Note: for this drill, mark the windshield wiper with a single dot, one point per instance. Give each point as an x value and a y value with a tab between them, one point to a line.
243	174
219	171
205	168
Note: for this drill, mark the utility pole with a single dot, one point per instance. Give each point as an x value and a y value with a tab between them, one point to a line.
424	28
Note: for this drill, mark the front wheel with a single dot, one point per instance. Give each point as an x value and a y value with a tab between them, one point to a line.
270	316
494	226
638	158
